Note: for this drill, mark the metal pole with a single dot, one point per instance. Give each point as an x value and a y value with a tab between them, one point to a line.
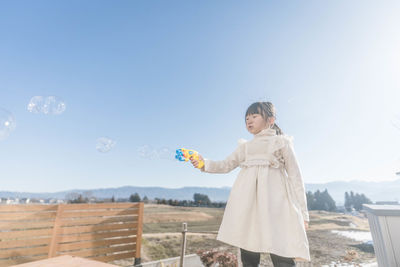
184	230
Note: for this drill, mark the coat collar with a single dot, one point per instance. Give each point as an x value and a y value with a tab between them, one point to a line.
266	132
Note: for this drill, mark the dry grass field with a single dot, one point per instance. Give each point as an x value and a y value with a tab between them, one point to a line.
163	225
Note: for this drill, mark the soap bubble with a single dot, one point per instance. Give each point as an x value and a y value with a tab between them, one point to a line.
166	153
36	104
46	105
7	123
104	144
149	152
53	105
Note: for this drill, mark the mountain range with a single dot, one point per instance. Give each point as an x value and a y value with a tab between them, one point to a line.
375	191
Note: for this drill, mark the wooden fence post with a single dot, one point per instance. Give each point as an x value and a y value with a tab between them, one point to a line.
55	237
184	230
139	234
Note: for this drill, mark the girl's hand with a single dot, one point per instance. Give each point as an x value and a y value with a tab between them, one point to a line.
196	162
306	225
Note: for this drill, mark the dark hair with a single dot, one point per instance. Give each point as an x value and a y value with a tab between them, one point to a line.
266	110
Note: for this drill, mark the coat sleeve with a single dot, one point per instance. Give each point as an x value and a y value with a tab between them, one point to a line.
226	165
295	178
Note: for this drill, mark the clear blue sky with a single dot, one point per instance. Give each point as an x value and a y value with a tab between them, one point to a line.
182	73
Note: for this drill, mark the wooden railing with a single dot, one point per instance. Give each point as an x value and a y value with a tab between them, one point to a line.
103	232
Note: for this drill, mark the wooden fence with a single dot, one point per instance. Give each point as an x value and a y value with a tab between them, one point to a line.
103	232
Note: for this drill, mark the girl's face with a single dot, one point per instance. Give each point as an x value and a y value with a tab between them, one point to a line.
255	123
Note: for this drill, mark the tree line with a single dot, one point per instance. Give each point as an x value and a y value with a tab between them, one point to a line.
199	200
315	201
323	201
355	201
320	201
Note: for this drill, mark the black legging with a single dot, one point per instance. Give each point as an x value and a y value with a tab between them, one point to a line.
252	259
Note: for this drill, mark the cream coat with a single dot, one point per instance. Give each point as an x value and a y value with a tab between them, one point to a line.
267	205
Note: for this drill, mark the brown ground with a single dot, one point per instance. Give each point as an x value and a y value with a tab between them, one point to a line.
163	225
176	217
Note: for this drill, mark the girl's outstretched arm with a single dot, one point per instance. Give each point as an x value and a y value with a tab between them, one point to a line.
226	165
295	179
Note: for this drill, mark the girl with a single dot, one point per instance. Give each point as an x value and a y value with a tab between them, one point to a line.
267	208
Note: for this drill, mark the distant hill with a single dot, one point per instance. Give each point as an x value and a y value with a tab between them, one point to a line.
215	194
376	191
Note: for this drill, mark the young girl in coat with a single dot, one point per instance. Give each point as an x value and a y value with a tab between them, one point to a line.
267	208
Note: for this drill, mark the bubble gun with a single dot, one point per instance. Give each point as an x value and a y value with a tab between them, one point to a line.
184	154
